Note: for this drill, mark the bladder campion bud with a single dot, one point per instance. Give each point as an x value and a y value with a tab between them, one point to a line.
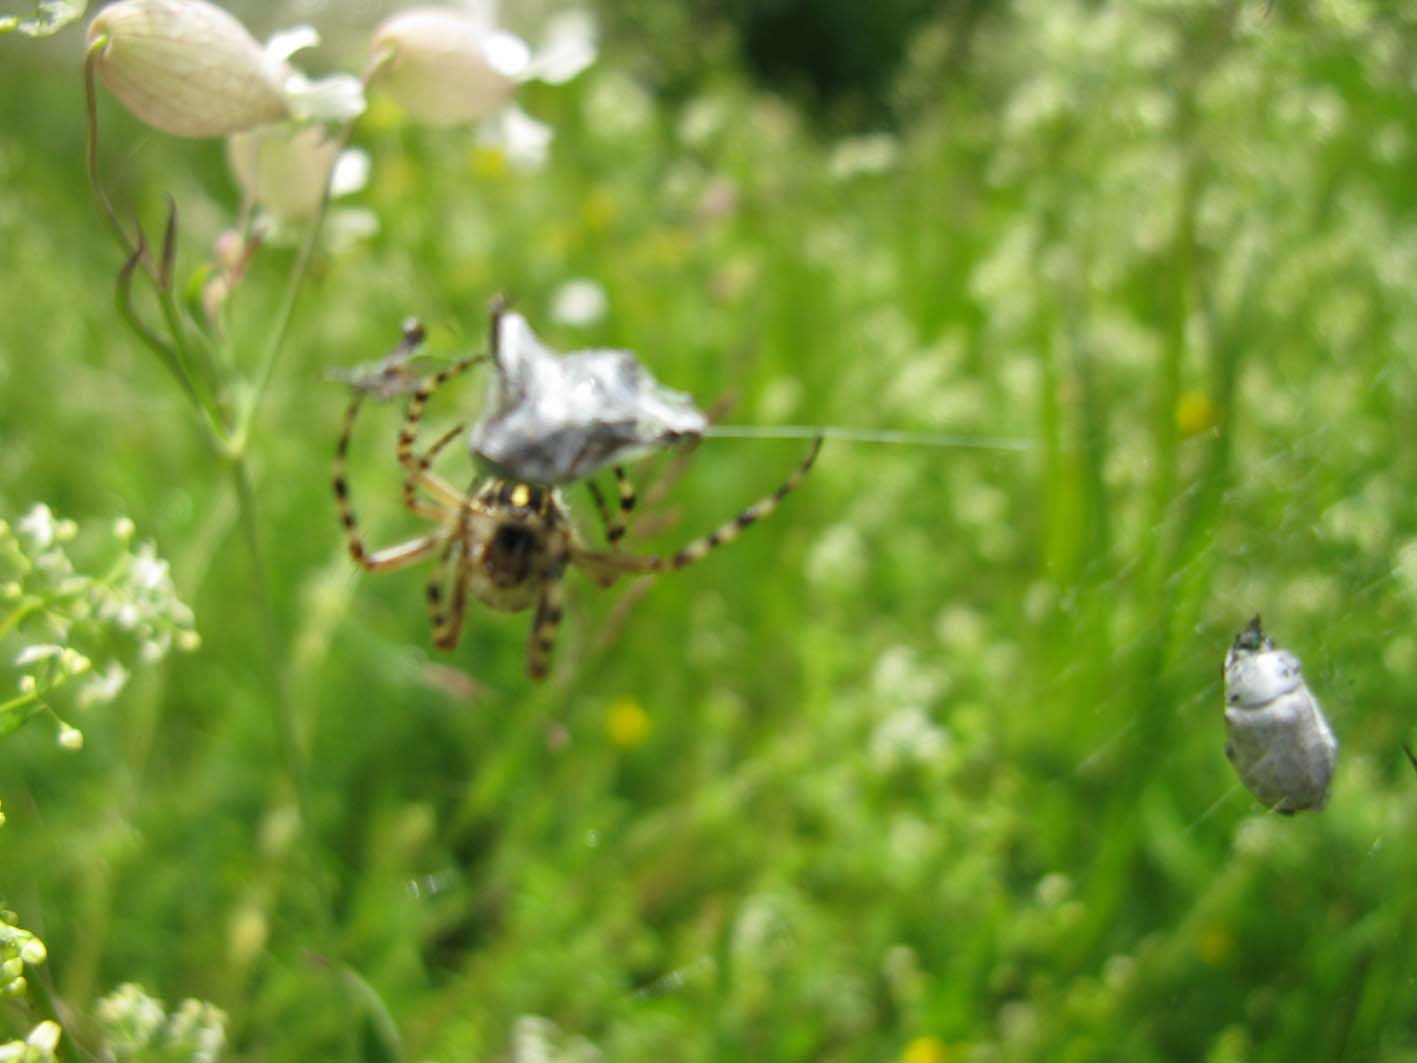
445	66
186	67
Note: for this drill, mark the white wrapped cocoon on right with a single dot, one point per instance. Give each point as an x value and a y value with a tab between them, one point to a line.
1277	737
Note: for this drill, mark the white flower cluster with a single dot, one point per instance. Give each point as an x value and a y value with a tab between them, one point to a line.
38	1047
19	949
138	1027
64	619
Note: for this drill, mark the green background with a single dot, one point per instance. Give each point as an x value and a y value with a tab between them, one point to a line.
933	768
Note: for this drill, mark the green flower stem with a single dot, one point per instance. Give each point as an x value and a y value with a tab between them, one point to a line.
91	143
25	608
17	703
210	387
276	344
291	753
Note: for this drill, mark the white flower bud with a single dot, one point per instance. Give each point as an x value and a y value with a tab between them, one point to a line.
445	66
123	529
33	952
73	662
71	739
1278	739
45	1037
186	67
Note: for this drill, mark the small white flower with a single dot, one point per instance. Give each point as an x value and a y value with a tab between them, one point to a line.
38	652
104	686
525	141
337	98
579	302
37	526
149	572
44	1038
71	739
73	662
123	529
870	153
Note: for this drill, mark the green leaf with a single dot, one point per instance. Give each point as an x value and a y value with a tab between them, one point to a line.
50	16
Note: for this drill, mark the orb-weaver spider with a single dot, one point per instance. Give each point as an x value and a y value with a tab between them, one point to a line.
505	543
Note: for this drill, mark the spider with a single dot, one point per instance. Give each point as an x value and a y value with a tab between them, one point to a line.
505	543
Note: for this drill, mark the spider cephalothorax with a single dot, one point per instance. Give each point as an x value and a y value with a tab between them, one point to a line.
503	542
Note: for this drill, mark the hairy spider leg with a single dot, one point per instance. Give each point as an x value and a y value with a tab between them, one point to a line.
600	507
448	638
615	526
389	558
606	565
408	435
425	462
437	590
549	607
616	531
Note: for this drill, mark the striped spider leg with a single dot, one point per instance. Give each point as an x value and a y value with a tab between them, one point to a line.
605	566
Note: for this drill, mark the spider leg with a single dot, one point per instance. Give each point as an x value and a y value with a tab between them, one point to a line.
598	497
547	622
437	579
400	555
408	435
448	638
425	462
606	565
615	526
389	558
616	531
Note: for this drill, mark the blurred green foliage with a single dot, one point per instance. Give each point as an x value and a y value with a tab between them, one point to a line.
926	768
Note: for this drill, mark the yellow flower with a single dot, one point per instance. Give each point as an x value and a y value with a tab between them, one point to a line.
1216	944
1195	413
627	723
926	1050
